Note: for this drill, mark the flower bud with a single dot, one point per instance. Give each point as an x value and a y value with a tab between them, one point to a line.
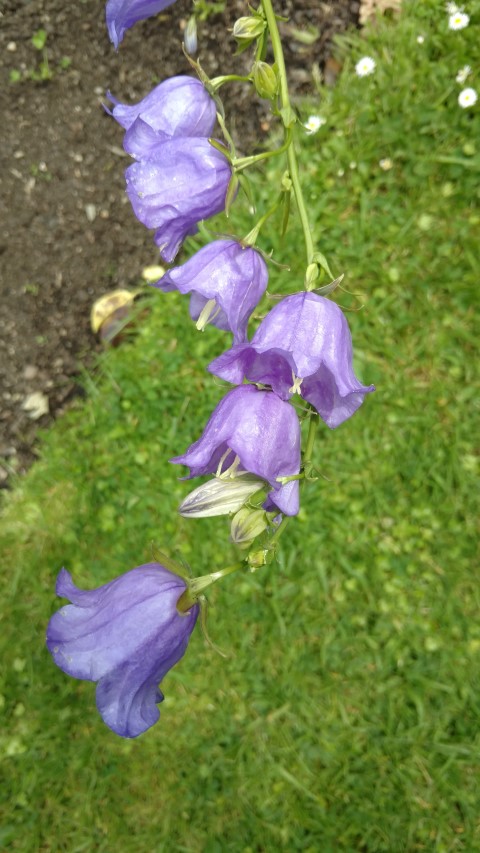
190	38
311	276
247	524
219	496
265	80
248	28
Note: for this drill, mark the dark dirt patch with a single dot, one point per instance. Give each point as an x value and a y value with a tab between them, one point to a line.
69	234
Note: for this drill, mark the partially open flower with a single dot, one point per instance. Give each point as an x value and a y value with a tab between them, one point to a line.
123	14
302	346
226	281
124	635
255	432
183	181
179	106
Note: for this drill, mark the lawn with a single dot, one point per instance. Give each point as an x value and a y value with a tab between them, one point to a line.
345	715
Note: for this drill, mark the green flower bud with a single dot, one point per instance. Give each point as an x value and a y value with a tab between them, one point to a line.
311	276
247	524
265	80
248	28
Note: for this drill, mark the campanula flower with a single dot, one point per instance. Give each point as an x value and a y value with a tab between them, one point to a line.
180	106
124	635
255	432
226	281
302	346
182	181
123	14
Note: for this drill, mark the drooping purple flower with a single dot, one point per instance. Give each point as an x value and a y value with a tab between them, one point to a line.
183	181
226	281
124	635
179	106
123	14
303	345
256	432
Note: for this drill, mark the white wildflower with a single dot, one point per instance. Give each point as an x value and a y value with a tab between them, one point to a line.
458	21
463	74
452	8
420	39
365	66
386	164
467	98
314	123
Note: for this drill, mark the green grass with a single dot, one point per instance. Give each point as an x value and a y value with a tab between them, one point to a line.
346	715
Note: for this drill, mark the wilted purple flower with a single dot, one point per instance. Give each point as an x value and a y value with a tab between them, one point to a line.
226	281
180	106
255	432
125	635
123	14
303	345
183	181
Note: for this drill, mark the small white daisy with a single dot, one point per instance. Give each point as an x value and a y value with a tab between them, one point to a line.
463	74
314	123
386	164
365	66
420	39
458	21
467	98
452	8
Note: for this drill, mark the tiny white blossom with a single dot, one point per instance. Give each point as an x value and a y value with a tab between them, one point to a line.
420	39
467	98
314	123
463	74
386	164
365	66
458	21
452	8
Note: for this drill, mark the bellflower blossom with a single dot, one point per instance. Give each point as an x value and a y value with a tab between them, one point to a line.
226	281
251	431
124	635
182	181
303	345
180	106
123	14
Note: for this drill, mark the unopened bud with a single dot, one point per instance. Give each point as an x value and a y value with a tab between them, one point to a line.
311	276
190	39
247	524
265	80
248	28
219	496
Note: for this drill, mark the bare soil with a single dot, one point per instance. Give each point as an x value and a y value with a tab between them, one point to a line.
68	233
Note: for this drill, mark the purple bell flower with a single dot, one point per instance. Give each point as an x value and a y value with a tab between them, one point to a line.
123	14
226	281
251	431
183	181
125	635
180	106
303	345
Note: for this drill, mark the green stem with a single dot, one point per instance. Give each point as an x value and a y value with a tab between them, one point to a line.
285	102
243	162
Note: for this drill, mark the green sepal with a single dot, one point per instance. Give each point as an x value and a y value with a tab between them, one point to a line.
231	193
322	262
